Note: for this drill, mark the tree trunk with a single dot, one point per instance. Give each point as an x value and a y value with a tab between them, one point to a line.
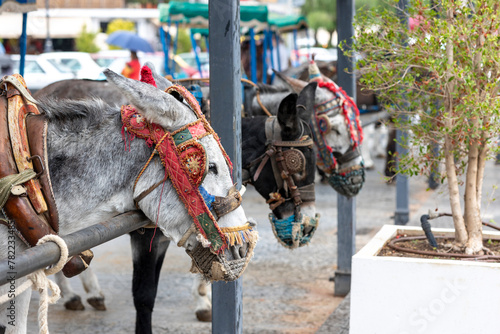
483	152
330	33
471	213
474	175
456	210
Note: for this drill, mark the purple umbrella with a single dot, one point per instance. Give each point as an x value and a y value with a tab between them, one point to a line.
129	40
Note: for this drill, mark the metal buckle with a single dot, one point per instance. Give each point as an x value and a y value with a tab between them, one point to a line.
41	164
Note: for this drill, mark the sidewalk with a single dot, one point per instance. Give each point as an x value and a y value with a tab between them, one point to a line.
283	291
437	200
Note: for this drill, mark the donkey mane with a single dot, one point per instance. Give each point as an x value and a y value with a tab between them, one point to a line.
270	89
76	116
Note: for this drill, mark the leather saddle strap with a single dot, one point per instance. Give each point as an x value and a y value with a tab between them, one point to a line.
18	209
36	127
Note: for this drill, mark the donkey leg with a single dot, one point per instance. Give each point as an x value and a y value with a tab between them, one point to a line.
93	289
382	134
367	146
71	300
147	267
14	313
202	294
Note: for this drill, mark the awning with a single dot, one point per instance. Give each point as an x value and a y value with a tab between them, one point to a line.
196	14
18	6
287	23
59	27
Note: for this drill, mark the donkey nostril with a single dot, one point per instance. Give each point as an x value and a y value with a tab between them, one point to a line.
243	250
235	252
307	230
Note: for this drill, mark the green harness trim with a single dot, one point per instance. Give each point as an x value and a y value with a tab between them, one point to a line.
9	181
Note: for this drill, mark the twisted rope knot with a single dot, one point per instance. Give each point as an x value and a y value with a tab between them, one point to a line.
39	281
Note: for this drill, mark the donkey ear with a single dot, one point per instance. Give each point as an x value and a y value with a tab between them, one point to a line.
161	82
295	85
155	105
287	117
305	101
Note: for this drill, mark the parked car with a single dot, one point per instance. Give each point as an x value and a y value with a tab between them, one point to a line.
80	64
38	72
106	57
186	66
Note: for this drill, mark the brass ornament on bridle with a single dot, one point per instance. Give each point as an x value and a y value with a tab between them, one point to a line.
294	160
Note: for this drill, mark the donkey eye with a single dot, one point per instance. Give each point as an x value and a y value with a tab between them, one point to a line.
335	130
213	168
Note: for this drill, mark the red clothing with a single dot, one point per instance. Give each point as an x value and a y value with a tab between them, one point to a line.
132	69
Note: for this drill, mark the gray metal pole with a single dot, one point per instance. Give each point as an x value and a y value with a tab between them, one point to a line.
41	256
48	47
225	105
402	213
346	207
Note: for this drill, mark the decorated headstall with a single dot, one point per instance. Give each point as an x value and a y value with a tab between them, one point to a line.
185	161
346	181
289	165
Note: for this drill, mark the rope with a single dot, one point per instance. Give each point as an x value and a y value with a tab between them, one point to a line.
7	182
39	281
257	95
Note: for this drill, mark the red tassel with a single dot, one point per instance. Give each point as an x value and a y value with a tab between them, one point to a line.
147	76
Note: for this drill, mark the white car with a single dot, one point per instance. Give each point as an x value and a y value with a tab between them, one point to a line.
80	64
38	72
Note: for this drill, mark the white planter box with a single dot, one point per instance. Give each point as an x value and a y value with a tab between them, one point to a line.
396	295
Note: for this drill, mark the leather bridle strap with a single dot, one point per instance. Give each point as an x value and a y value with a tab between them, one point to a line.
287	178
263	160
192	229
221	206
148	191
349	155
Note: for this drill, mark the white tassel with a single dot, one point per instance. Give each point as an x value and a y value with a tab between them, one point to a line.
204	242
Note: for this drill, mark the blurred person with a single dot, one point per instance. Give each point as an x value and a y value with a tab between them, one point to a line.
132	68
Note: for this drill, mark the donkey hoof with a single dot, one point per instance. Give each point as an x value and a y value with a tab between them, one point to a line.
74	304
97	303
204	315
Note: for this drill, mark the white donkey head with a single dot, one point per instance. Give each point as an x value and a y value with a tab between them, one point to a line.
197	206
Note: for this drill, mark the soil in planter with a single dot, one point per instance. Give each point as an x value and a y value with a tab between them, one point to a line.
441	252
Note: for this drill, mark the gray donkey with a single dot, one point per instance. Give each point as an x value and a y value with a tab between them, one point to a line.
147	262
93	175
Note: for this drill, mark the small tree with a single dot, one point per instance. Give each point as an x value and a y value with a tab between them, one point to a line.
85	41
443	76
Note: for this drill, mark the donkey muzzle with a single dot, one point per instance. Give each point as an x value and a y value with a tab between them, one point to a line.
292	233
227	266
348	183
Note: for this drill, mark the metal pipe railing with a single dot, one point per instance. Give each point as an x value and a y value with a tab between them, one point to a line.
41	256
